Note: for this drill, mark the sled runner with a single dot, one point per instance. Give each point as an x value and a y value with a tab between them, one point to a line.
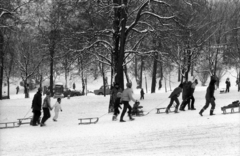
88	120
9	125
24	120
235	104
164	108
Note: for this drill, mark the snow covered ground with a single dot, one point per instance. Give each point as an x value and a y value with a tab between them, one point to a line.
185	133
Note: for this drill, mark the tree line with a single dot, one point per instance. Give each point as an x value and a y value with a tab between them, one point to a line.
42	39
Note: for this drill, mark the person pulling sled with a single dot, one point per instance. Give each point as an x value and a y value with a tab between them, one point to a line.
210	98
126	97
174	97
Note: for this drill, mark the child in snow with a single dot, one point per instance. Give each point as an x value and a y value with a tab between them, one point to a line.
57	107
137	109
174	97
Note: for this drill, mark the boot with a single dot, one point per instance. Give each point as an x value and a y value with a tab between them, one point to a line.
176	110
201	112
131	118
114	118
211	112
167	110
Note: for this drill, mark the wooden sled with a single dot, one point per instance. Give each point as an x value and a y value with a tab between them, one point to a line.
24	120
164	109
88	120
222	91
235	104
9	125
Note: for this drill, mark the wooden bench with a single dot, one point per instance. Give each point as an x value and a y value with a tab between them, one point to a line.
88	120
9	125
231	108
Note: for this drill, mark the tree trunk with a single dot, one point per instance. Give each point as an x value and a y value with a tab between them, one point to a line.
153	88
179	74
141	73
2	63
8	86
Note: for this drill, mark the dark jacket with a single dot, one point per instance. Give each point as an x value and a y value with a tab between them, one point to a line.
176	92
228	83
186	90
142	92
210	90
37	101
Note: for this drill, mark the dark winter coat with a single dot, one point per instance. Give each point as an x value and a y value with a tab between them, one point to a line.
142	92
186	90
37	101
228	83
210	90
176	92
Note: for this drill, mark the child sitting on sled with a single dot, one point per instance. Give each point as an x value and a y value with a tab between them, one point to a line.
137	109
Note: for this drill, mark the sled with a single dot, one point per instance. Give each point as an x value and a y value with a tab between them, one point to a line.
224	109
139	113
88	120
235	104
164	108
24	120
9	125
222	90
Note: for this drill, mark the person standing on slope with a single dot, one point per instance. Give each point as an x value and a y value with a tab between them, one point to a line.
46	109
210	99
126	97
36	107
174	97
228	85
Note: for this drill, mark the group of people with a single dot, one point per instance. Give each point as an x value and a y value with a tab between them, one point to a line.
188	97
45	106
122	97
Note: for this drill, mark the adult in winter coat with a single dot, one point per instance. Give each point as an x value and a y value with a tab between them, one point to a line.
174	97
46	109
193	86
142	94
126	97
36	107
117	104
210	99
228	85
186	95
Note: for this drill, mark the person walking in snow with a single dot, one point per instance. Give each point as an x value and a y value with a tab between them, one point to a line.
74	86
46	109
186	95
36	107
174	97
193	86
17	89
210	98
142	94
117	104
126	97
228	85
57	107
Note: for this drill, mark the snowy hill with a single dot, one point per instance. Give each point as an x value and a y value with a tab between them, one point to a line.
184	134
